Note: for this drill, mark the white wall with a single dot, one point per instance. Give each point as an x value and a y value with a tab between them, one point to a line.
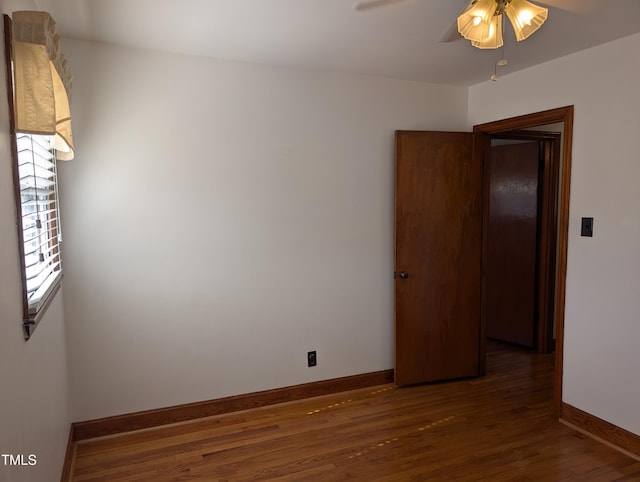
222	219
602	328
35	405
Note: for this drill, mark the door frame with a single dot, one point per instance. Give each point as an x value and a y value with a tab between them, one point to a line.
482	142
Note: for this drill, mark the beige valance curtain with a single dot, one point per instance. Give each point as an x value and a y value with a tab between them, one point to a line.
42	81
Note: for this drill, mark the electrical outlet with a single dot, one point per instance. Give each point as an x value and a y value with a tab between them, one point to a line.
311	359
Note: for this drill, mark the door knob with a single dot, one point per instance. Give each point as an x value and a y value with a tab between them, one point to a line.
404	275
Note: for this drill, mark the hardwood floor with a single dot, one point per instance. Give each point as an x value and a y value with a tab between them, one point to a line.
496	428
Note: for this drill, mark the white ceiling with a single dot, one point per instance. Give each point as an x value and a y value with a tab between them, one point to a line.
399	41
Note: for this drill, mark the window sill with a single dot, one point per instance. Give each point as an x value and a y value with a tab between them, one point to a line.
32	320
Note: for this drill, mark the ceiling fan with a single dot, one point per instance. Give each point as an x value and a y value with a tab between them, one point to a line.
481	20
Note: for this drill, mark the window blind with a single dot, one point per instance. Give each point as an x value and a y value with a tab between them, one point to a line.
40	217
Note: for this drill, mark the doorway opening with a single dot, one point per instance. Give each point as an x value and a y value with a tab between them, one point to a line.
520	276
554	299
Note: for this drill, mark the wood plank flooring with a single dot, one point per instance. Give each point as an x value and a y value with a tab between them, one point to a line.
498	428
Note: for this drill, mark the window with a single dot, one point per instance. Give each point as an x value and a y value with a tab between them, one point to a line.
39	87
39	222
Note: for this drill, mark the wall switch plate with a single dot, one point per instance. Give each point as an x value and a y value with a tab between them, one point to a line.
587	227
311	359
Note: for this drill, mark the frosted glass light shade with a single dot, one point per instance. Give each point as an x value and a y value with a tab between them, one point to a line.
474	22
493	37
525	17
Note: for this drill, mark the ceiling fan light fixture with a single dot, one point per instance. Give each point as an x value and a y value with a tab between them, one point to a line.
493	37
525	17
475	22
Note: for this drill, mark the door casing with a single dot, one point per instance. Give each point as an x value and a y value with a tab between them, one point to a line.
482	142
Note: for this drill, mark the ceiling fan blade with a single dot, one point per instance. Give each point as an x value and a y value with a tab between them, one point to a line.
574	6
362	6
451	34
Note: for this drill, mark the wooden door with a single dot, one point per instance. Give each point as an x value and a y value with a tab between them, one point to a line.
438	233
512	243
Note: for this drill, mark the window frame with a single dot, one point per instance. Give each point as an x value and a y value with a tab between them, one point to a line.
31	315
